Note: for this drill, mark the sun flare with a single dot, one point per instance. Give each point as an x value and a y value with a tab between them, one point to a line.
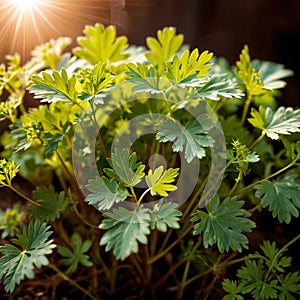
25	24
25	4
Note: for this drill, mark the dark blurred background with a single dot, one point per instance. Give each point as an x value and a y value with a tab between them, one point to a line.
271	28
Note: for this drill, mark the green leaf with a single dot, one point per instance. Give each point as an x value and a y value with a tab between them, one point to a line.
275	260
223	224
18	262
49	54
271	74
105	193
54	87
231	287
290	283
125	228
145	78
51	141
77	256
51	204
281	196
159	181
191	138
249	77
187	69
252	280
165	215
164	47
283	121
100	44
95	81
125	168
219	86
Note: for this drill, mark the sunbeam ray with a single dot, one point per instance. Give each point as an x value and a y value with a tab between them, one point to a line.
26	24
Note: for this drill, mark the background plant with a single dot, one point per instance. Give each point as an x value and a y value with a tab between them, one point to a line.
109	239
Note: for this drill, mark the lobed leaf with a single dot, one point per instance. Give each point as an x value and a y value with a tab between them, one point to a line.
165	215
219	86
283	121
159	181
33	245
164	47
187	69
145	78
281	196
54	87
125	228
252	281
125	168
271	74
249	77
77	256
223	224
51	205
105	193
191	138
100	44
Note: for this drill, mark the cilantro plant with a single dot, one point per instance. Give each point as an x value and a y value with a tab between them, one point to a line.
148	171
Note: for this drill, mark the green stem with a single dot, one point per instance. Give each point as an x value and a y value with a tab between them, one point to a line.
195	197
234	187
246	108
83	219
256	141
291	164
142	196
198	276
183	284
102	145
71	281
72	180
24	196
279	253
133	193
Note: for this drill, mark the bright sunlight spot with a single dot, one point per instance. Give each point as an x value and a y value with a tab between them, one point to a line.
25	4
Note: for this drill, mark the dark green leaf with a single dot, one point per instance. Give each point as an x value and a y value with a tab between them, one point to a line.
77	256
51	204
281	196
290	283
233	290
252	280
223	224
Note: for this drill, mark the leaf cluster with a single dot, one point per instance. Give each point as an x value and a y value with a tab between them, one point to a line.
179	108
